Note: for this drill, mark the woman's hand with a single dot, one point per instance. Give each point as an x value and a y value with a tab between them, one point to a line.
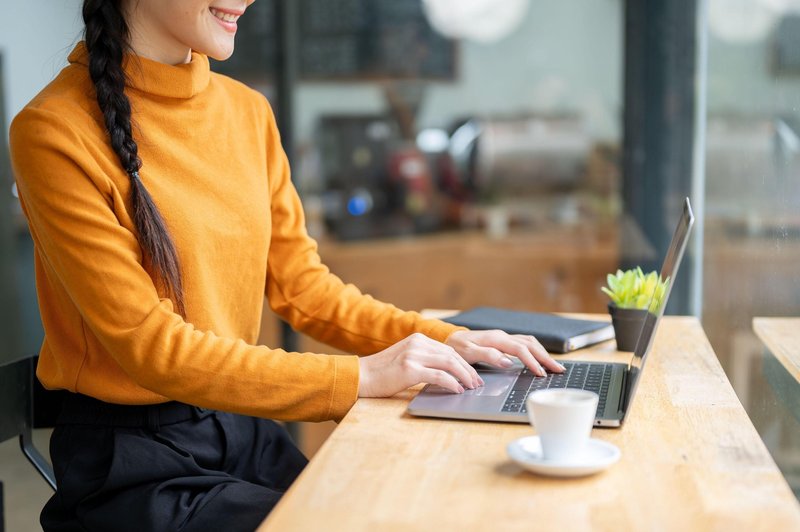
492	347
411	361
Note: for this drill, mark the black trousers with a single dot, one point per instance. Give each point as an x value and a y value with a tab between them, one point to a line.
165	467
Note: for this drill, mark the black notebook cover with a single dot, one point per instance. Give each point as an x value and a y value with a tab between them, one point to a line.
556	333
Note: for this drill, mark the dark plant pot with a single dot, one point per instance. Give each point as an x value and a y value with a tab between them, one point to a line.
628	324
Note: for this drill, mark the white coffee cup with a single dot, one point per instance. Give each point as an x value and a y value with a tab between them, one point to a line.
563	419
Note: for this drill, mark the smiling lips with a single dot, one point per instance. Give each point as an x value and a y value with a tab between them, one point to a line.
226	18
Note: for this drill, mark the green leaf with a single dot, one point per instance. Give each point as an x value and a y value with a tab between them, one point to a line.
635	289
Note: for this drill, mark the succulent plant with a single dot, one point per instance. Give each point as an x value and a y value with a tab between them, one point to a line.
634	289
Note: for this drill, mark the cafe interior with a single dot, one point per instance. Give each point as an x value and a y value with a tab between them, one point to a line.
510	154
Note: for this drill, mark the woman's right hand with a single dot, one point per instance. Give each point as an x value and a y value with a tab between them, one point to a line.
411	361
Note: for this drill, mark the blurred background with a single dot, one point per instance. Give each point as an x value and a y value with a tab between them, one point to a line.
454	153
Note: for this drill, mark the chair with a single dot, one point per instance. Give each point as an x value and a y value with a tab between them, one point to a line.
17	384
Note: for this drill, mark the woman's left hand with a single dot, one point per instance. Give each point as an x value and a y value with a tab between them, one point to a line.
493	348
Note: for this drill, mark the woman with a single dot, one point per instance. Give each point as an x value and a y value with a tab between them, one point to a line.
160	204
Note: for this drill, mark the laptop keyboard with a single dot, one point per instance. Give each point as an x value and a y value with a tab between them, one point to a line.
582	376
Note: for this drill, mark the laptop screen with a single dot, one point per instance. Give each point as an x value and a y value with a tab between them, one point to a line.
659	299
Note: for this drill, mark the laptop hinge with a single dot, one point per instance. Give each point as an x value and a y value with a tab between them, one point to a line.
623	397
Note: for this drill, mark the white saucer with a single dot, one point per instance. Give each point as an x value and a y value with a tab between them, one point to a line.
527	452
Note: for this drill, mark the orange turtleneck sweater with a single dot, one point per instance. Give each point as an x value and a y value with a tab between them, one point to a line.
213	162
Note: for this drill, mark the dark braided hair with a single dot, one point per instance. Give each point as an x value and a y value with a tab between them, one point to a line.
107	40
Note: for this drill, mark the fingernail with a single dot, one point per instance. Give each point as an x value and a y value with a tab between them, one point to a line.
563	368
460	389
506	362
480	380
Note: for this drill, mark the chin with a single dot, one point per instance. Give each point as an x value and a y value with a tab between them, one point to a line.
218	54
219	51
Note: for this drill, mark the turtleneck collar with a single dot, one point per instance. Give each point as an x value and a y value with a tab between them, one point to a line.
159	79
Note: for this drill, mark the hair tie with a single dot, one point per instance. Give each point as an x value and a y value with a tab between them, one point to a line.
134	174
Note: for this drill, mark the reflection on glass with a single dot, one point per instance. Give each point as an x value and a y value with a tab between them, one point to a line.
752	228
660	289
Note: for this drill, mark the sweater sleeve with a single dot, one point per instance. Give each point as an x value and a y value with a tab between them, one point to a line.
73	211
307	295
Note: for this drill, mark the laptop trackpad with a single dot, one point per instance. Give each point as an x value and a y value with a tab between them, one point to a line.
496	383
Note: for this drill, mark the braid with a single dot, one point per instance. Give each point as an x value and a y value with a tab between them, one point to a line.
106	41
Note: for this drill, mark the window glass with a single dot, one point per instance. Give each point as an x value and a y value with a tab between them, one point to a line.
752	225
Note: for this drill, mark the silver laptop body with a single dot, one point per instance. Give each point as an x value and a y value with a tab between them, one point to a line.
502	398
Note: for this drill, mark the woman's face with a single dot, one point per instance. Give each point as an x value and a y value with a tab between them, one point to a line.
168	30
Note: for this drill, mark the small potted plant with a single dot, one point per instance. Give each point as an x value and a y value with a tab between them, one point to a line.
632	294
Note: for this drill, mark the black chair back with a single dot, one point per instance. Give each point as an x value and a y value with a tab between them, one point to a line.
16	412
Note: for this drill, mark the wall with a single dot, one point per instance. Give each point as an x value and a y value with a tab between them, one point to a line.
35	38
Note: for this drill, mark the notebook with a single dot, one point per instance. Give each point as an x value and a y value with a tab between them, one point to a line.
502	397
557	334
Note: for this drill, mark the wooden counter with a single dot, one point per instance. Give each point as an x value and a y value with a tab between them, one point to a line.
691	460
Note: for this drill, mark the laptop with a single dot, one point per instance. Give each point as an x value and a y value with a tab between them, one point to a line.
502	398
